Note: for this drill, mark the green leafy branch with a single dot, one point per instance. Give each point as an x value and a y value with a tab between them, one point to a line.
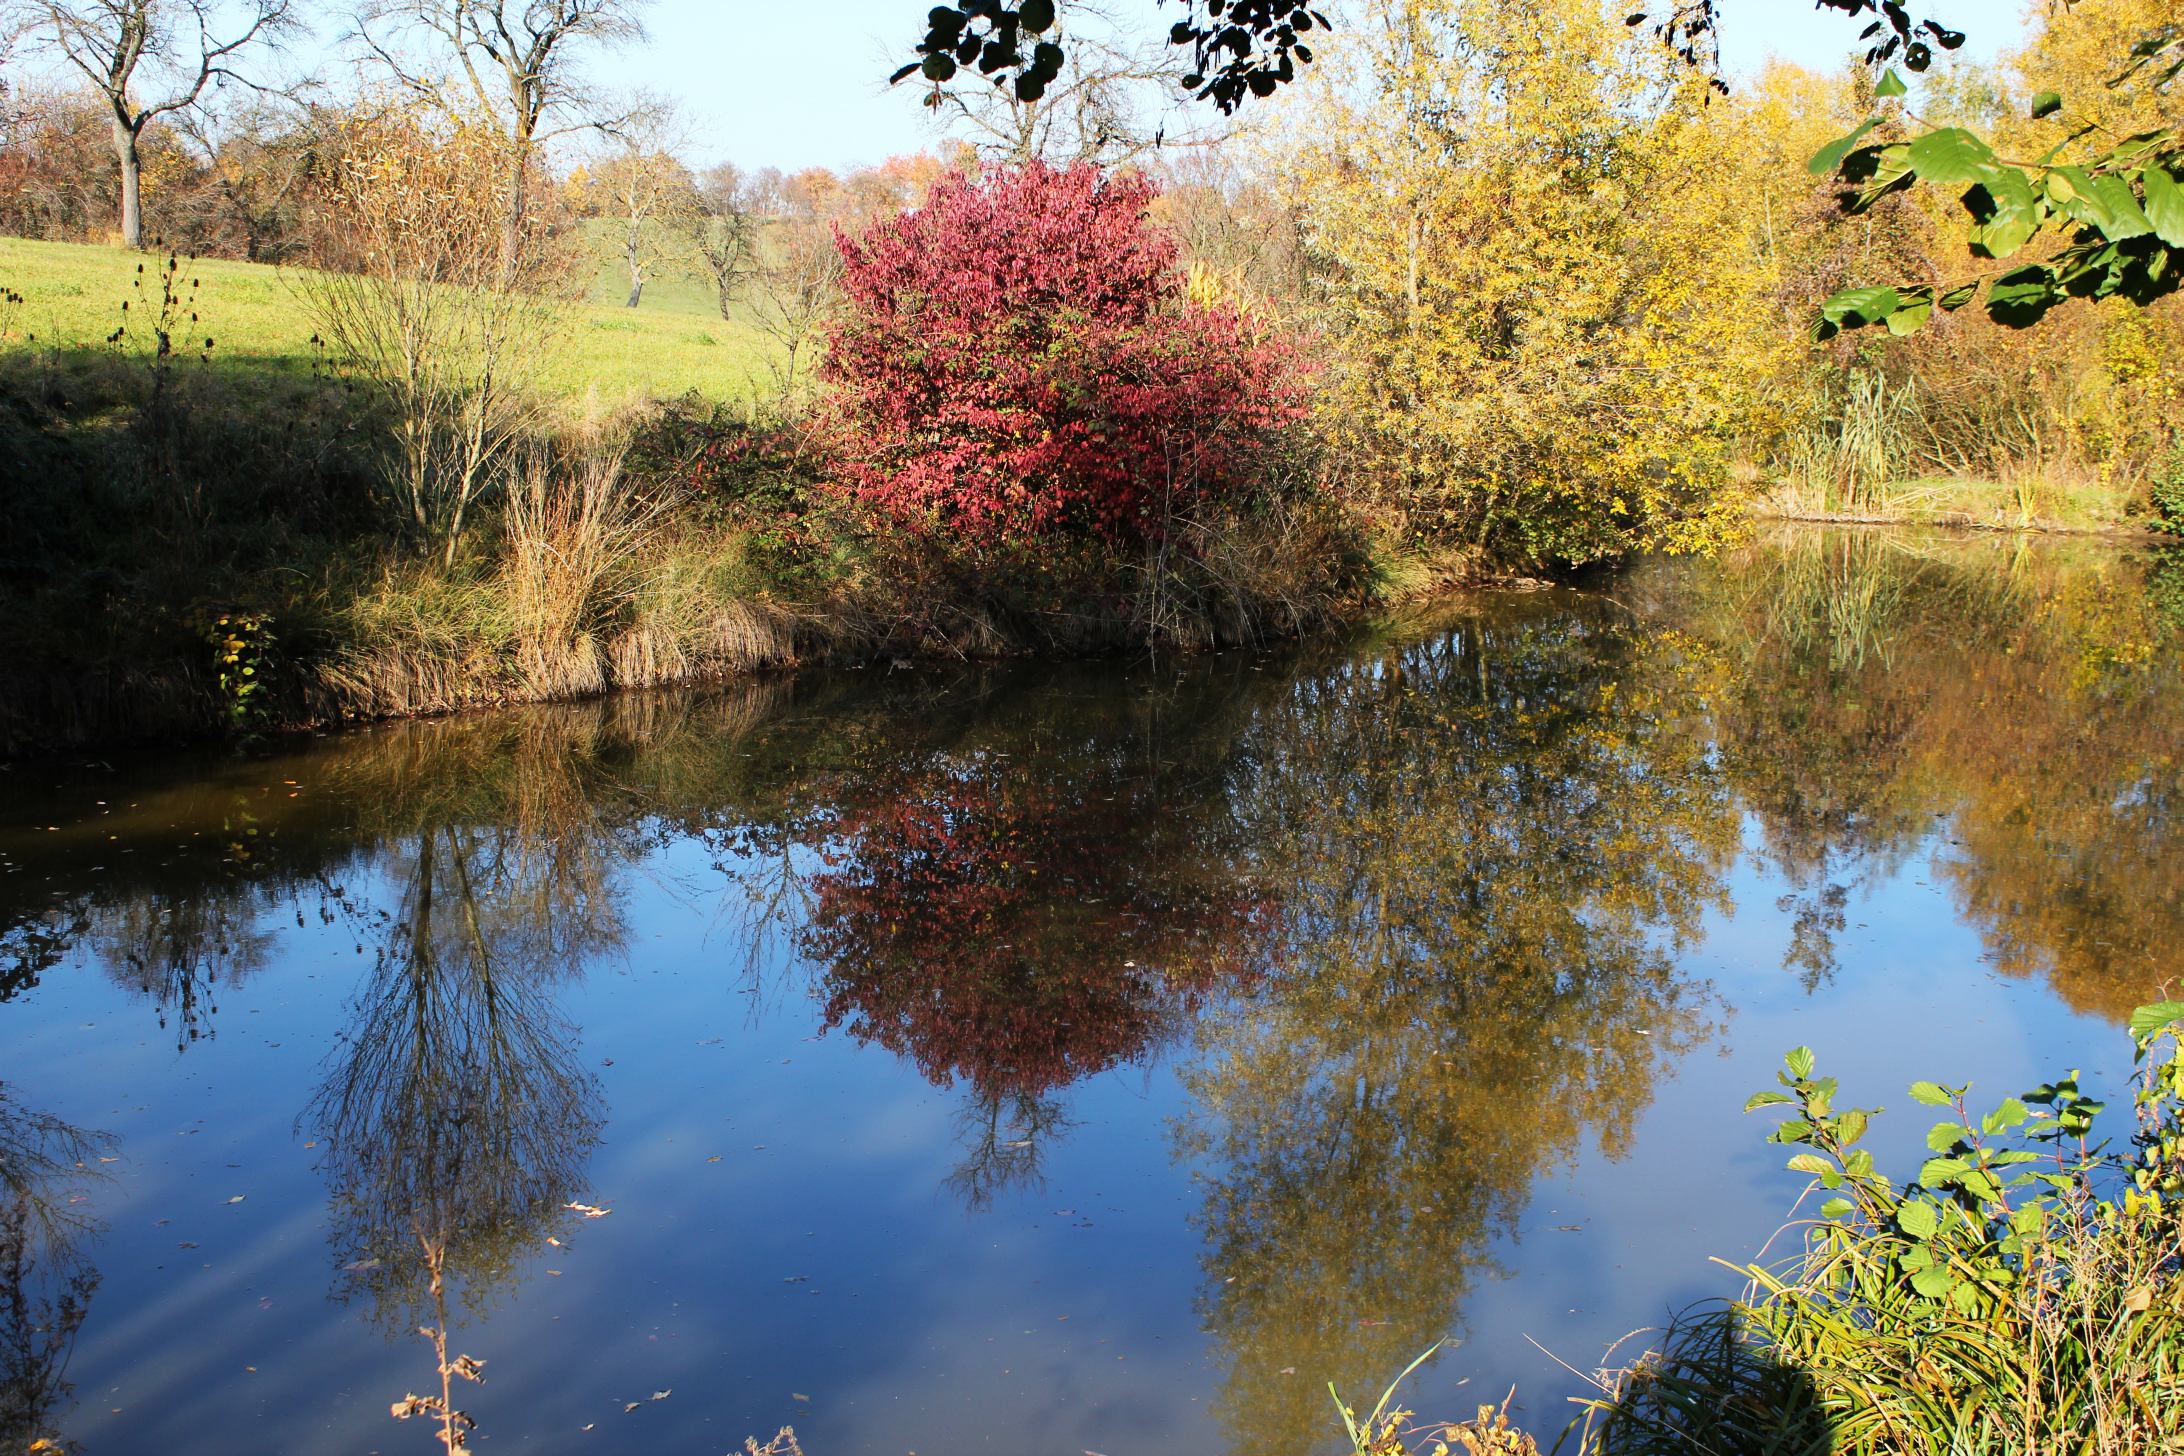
2121	210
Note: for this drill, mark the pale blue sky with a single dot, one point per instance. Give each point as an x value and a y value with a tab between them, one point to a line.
736	67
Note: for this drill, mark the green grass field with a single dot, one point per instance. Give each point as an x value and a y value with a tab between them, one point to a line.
676	342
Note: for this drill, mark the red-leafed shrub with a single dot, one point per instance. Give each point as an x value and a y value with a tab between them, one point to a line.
1018	358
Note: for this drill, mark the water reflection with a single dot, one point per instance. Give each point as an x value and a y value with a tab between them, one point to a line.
46	1277
456	1119
1017	932
1492	844
2019	703
1410	915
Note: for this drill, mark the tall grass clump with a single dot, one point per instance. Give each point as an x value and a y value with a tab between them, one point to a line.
1848	458
575	568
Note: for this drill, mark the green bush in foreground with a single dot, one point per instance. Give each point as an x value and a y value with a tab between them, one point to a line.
2021	1294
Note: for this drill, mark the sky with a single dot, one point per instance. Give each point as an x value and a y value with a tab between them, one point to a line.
737	67
763	83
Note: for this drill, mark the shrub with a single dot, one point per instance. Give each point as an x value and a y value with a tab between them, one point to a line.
1018	359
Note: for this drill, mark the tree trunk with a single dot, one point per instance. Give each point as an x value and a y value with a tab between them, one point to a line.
132	184
636	291
512	224
633	253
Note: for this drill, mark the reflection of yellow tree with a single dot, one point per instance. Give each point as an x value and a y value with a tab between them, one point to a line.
1491	844
45	1282
2026	698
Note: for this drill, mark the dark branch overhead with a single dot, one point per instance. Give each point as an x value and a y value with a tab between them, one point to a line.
1240	49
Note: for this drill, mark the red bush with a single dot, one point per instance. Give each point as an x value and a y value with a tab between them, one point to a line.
1018	359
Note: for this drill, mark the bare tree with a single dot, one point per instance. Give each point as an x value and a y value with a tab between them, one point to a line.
1115	99
514	62
731	204
648	192
417	292
169	48
795	287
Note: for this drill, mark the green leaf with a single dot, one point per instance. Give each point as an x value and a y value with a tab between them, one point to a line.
2047	103
939	68
2018	300
1853	308
1799	1061
1933	1283
1851	1126
1918	1219
2012	1113
1891	85
1910	315
1811	1163
1829	157
1764	1099
2119	205
1957	297
1943	1136
1035	15
2007	210
1950	154
1933	1094
1837	1208
2164	205
2148	1022
1942	1172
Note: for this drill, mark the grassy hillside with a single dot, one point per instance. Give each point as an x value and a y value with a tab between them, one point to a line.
73	294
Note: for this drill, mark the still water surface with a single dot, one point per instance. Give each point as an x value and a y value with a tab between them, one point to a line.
1055	1060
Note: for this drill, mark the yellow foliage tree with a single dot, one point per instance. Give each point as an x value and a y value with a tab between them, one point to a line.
1536	246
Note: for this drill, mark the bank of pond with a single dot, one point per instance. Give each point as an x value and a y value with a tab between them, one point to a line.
1098	1056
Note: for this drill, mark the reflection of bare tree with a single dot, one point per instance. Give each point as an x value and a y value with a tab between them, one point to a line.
181	950
1004	1136
45	1281
456	1118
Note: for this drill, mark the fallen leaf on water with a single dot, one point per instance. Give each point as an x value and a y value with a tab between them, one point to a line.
189	1246
238	1198
714	1159
587	1210
804	1398
662	1394
360	1266
631	1406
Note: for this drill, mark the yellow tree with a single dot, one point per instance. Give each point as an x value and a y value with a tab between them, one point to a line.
1536	246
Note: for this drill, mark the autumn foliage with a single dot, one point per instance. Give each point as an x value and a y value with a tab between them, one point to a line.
1018	359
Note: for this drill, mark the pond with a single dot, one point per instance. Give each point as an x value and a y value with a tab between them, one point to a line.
1098	1058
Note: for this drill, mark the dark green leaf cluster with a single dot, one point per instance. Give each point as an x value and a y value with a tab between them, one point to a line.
989	35
1241	48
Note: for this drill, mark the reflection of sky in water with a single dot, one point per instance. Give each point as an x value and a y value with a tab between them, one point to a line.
788	1243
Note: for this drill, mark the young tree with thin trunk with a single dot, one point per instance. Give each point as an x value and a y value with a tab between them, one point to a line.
148	59
515	62
647	191
412	288
730	206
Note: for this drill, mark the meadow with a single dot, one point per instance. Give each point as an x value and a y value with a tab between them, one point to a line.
607	357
